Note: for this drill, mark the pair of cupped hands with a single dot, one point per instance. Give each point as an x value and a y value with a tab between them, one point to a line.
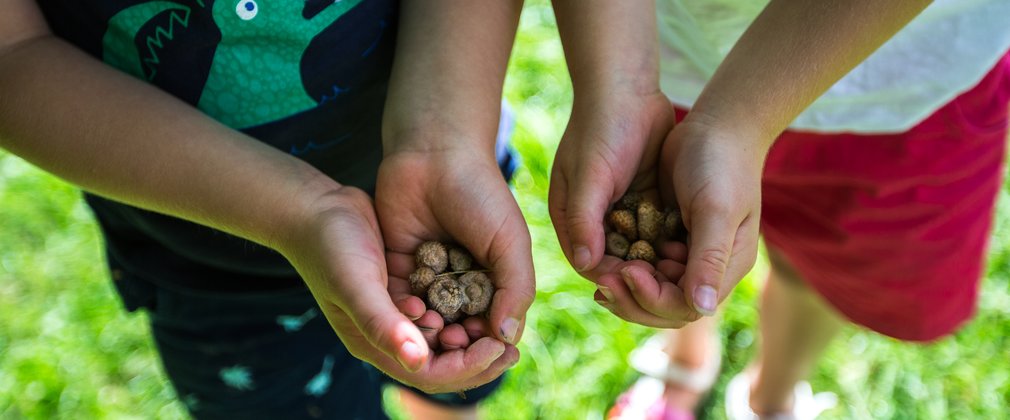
358	272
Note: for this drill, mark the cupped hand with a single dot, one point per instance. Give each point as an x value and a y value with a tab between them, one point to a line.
339	253
456	195
610	147
714	174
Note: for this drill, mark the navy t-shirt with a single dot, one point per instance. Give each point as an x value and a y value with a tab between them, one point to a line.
307	77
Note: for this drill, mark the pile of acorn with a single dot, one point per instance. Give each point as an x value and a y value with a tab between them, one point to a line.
636	226
449	281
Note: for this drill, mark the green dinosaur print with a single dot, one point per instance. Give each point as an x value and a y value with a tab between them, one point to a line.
118	49
255	76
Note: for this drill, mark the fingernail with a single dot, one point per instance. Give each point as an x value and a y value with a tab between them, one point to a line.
628	279
509	329
705	300
607	293
581	257
410	354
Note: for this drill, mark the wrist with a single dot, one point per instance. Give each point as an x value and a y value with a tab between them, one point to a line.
745	141
732	118
316	196
616	86
423	131
439	135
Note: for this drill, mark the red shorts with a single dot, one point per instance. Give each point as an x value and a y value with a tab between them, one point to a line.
892	229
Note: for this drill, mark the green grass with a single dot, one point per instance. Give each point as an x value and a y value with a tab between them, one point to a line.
68	350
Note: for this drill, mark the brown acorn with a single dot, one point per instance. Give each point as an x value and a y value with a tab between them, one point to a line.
642	250
623	221
629	201
432	254
421	279
446	296
650	221
617	245
673	226
460	259
478	290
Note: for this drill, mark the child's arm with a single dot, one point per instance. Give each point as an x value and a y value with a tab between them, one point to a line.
611	146
121	138
711	164
439	178
793	52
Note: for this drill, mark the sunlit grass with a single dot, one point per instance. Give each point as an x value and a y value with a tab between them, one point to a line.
68	350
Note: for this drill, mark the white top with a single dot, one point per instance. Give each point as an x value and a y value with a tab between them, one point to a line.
942	53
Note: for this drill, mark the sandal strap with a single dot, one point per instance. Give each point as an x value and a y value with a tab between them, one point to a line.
806	404
652	361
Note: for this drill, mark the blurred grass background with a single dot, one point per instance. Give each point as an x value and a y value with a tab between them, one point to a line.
68	350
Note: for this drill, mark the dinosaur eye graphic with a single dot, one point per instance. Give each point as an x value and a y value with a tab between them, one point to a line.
246	9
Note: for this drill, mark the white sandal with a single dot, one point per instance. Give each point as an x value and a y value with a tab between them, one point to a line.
806	404
644	400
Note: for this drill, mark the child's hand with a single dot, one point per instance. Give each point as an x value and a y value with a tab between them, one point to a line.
609	148
716	178
340	255
457	194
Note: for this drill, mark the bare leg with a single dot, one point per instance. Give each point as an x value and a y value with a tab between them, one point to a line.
422	409
796	326
689	347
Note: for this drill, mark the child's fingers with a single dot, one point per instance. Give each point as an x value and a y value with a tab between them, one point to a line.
576	209
608	264
481	362
412	307
620	302
430	324
511	259
453	337
673	250
671	269
371	308
658	295
476	328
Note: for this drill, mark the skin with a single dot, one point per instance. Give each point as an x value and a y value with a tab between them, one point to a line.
112	138
710	164
611	146
796	326
439	131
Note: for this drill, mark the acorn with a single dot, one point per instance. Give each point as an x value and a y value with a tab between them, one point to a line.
650	221
617	245
673	226
478	290
641	250
629	201
460	259
446	296
432	254
623	221
421	279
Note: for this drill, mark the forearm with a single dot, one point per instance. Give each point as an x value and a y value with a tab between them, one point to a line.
611	47
121	138
791	54
448	73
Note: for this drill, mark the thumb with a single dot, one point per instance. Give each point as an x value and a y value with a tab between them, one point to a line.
586	204
515	289
709	253
372	310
